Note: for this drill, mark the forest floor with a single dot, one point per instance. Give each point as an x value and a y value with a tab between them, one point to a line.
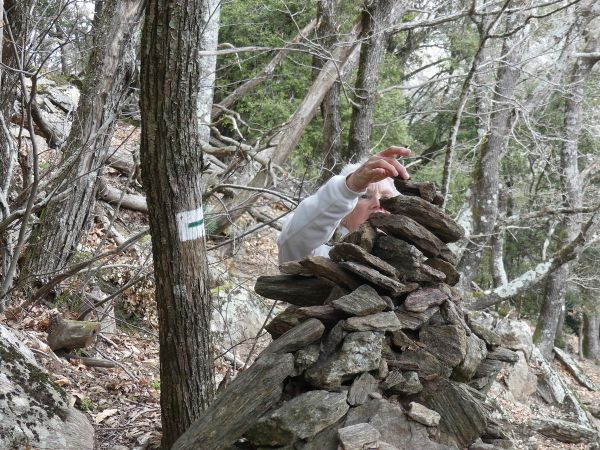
123	403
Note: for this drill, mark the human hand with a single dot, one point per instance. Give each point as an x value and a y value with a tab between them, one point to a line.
378	167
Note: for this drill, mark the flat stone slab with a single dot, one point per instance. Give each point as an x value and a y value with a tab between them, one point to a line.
382	321
424	415
410	320
294	289
422	299
361	388
393	287
491	338
476	352
299	418
297	338
406	383
361	302
323	267
354	253
427	214
359	436
503	354
452	275
424	189
414	233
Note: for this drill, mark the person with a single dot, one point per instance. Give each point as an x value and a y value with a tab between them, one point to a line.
344	202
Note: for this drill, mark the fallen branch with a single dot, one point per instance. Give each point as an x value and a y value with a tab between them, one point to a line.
115	196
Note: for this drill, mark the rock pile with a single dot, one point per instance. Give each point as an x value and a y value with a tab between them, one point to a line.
375	352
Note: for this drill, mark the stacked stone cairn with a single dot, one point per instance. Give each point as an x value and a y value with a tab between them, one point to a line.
376	351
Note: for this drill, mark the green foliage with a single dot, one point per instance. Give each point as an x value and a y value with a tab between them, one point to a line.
86	404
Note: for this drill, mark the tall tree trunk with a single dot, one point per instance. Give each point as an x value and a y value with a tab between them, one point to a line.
571	185
111	68
486	175
171	171
591	335
14	40
330	108
377	16
209	38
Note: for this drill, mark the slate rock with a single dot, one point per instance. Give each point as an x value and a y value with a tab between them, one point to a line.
323	267
476	352
488	368
447	342
401	340
361	302
293	268
299	418
394	426
353	253
452	276
361	388
424	189
406	383
382	321
503	354
336	293
422	414
426	214
454	315
422	299
298	337
364	236
428	364
515	335
359	436
391	286
325	313
306	357
360	352
284	321
295	289
334	338
407	229
413	320
490	337
521	382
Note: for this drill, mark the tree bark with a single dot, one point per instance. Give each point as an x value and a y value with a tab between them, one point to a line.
376	20
571	186
111	65
171	171
591	335
487	181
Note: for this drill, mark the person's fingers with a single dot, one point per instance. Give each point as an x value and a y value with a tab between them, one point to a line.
391	166
394	151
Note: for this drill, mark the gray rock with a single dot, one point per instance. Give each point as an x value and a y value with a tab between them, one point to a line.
350	252
360	352
489	336
454	315
361	302
390	285
382	321
422	299
476	352
427	363
384	370
422	414
364	236
412	320
306	357
327	269
394	426
362	386
298	337
515	335
447	342
284	321
401	340
334	338
299	418
439	265
488	368
359	436
35	412
503	354
406	383
521	382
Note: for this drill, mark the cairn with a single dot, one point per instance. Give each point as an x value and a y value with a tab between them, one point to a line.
375	351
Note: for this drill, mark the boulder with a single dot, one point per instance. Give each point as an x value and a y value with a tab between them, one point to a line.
515	335
306	357
424	189
35	412
521	382
299	418
406	383
297	338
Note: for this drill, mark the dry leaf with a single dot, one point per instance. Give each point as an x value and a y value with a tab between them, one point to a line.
104	414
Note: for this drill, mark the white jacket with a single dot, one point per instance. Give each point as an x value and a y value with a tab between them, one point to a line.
315	220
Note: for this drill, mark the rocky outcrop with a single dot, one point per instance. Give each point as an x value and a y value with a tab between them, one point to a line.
34	412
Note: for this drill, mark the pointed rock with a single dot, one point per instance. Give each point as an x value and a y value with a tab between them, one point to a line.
361	388
334	338
414	320
452	275
425	190
426	214
361	302
298	337
476	352
364	236
354	253
294	289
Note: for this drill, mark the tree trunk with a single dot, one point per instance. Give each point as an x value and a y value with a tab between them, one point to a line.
487	181
171	171
571	185
376	19
330	108
591	335
111	65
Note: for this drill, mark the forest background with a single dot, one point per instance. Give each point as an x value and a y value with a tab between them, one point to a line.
498	101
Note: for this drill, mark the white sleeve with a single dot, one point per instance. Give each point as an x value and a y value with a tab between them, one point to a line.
315	220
